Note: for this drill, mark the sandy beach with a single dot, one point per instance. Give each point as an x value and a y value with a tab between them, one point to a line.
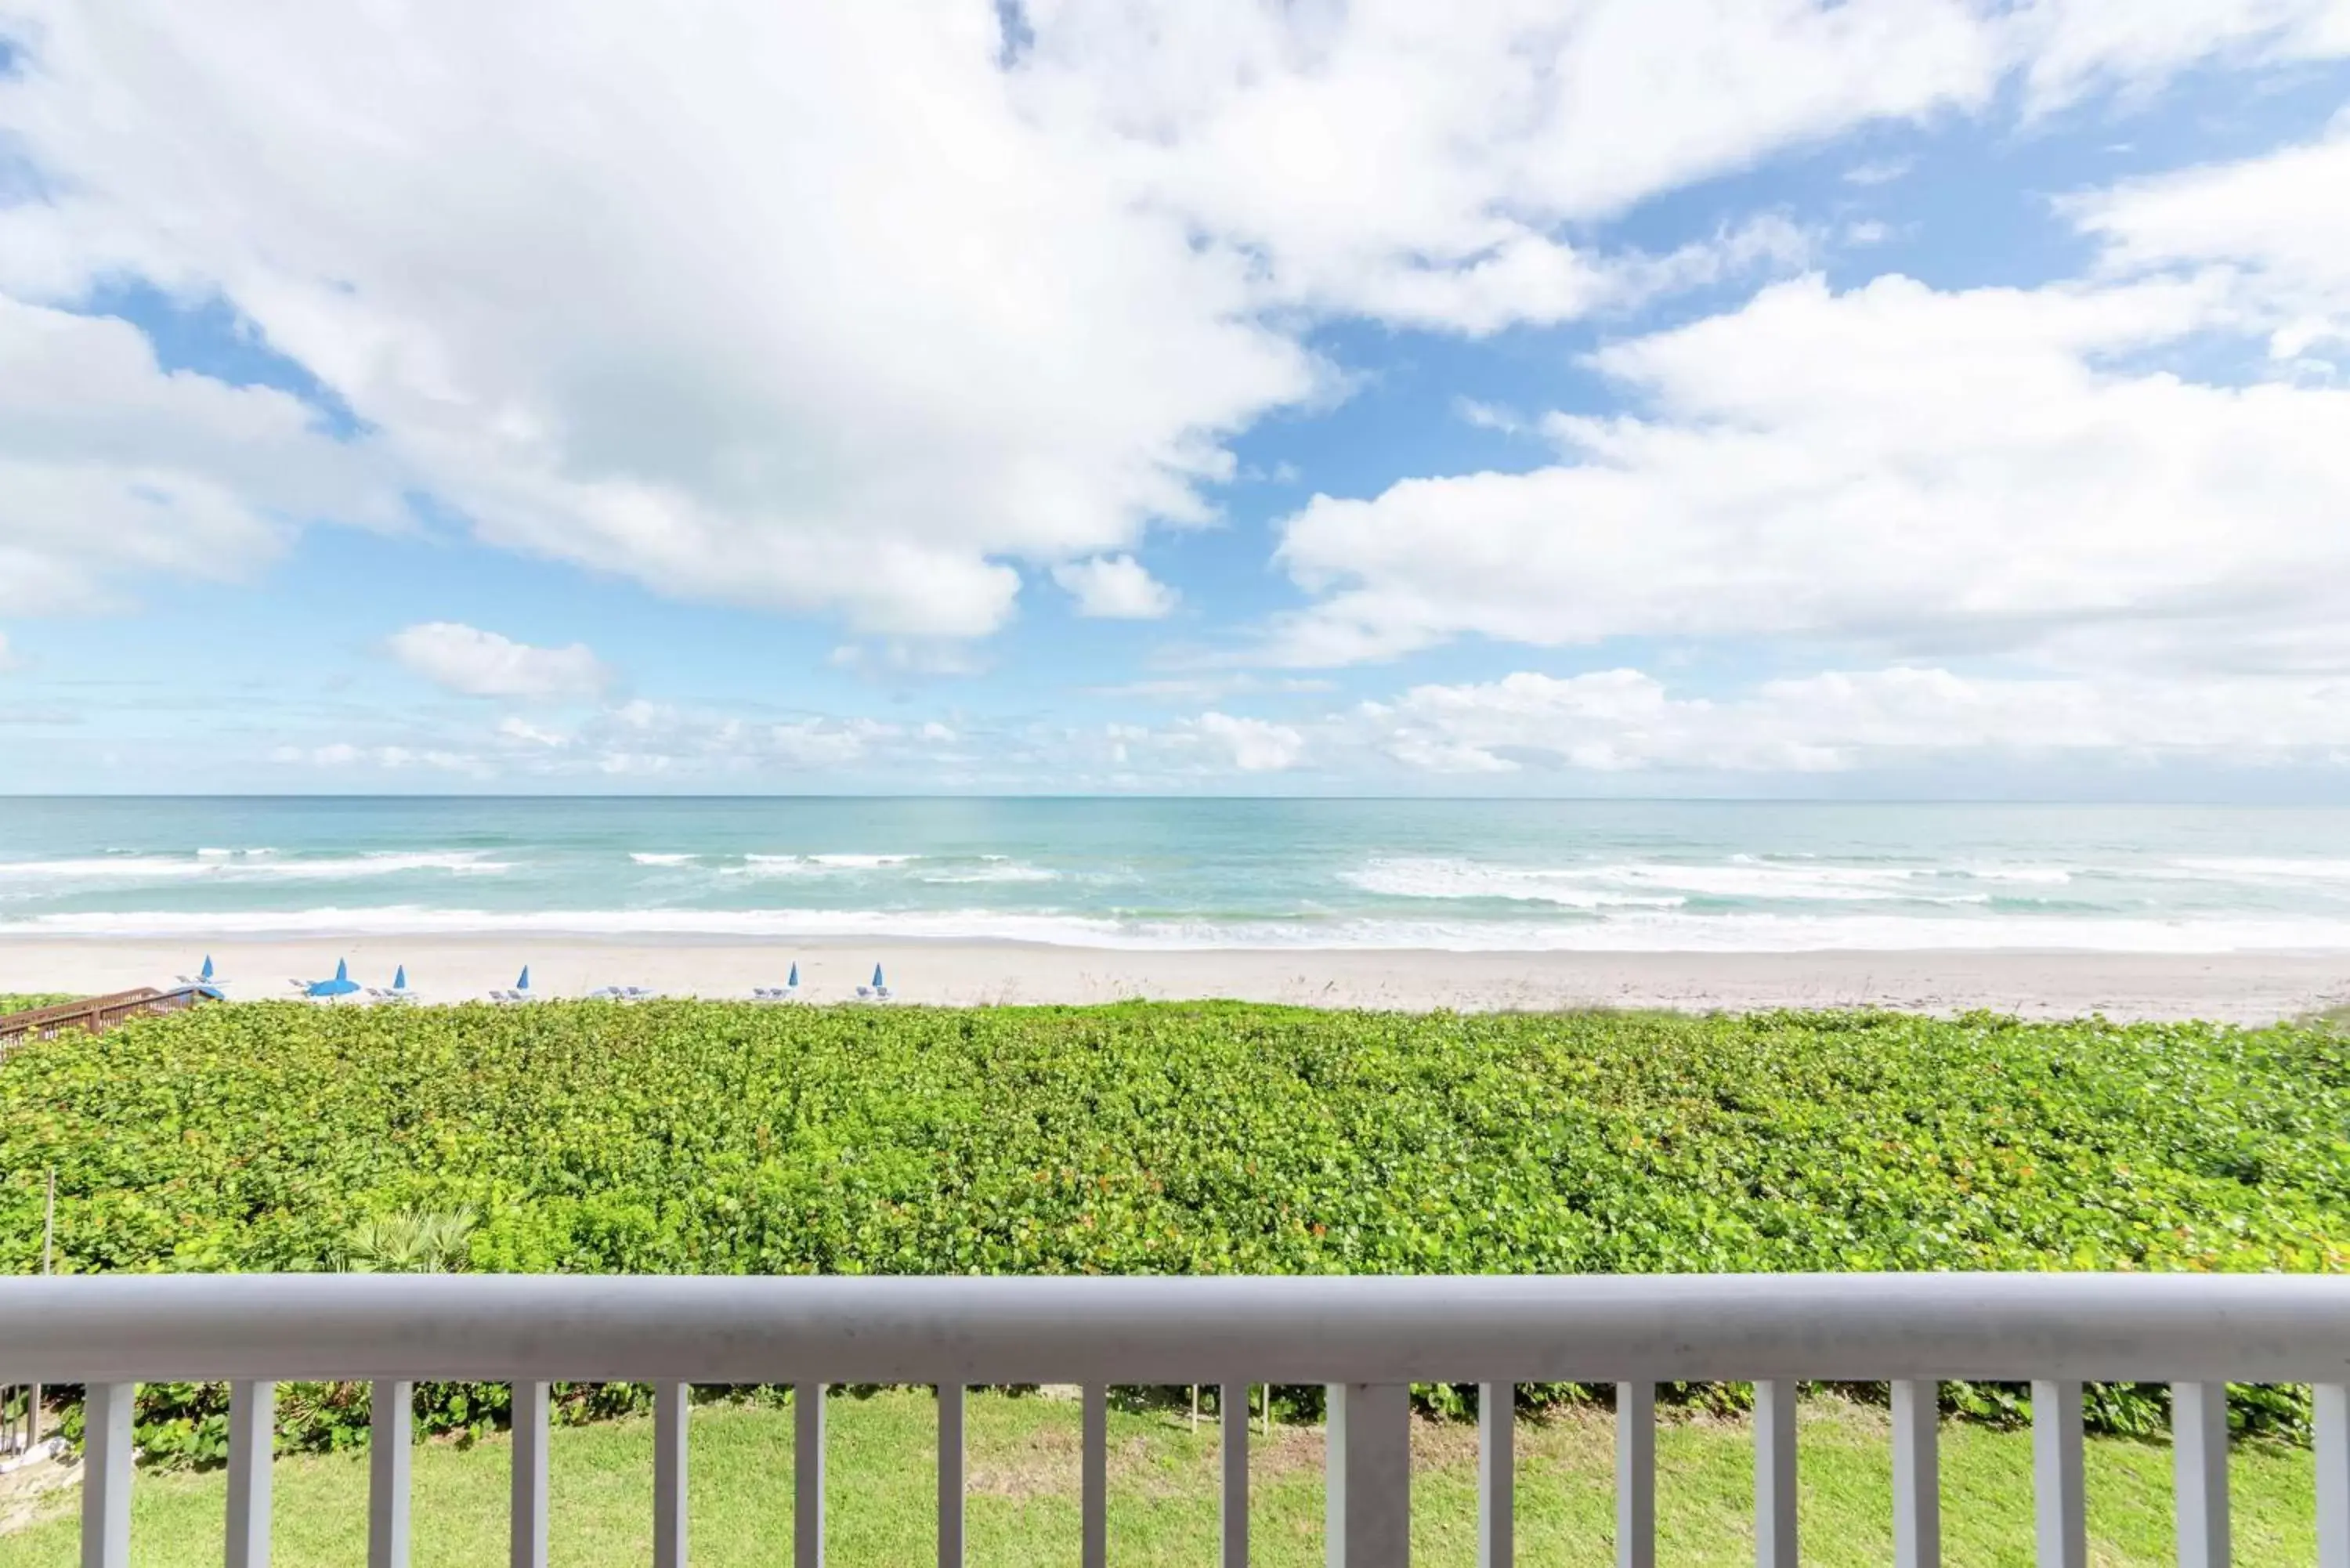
2235	987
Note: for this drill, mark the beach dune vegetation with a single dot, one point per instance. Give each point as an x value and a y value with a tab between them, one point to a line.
708	1137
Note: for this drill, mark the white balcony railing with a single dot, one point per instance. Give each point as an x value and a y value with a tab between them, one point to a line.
1366	1339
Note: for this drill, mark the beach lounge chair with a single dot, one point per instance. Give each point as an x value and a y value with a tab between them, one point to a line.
787	992
623	993
877	992
207	977
518	992
397	991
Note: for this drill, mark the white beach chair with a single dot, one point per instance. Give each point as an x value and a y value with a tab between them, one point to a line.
787	992
518	992
207	977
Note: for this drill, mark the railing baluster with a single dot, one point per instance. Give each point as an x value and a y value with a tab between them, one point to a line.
672	1407
1094	1487
106	1475
1232	1415
2058	1501
951	1475
251	1438
1636	1475
807	1475
1916	1475
1367	1517
388	1439
2333	1414
1774	1473
2199	1451
1497	1476
527	1483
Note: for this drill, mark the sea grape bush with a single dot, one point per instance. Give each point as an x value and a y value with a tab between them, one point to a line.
683	1136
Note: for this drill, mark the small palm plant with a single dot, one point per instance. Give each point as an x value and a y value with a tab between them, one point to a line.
411	1243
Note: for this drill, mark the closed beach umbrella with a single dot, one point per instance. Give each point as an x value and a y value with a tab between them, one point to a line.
400	978
877	977
523	983
795	976
205	973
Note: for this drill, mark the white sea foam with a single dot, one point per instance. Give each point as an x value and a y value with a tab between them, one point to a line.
2266	869
997	870
820	864
2037	876
1656	930
647	857
1443	879
1650	883
225	866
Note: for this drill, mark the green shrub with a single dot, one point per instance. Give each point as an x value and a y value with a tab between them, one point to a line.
719	1138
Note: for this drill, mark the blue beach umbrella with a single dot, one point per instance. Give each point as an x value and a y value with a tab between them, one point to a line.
877	977
523	983
341	985
400	978
205	973
795	976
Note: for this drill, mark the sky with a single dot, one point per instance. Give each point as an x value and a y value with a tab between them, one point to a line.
1908	398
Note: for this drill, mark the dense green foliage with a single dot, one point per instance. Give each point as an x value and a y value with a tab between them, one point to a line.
681	1137
20	1003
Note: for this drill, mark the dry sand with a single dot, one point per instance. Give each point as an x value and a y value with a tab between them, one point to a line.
2245	988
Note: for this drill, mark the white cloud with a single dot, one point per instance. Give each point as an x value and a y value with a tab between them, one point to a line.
2072	47
1879	171
1892	468
1256	745
812	745
1192	690
2284	217
845	327
344	755
1114	587
109	467
476	664
530	735
1623	720
823	309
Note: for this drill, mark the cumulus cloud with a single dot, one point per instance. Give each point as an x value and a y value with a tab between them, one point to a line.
806	314
476	664
2278	216
1892	467
1625	719
1255	745
832	310
112	468
1114	587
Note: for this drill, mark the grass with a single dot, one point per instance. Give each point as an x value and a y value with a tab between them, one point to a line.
1023	1459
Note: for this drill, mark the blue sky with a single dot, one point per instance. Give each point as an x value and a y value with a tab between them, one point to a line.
1894	397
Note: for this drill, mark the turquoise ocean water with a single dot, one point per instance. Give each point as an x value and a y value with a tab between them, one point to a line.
1127	873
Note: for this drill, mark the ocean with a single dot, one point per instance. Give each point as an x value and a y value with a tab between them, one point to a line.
1619	875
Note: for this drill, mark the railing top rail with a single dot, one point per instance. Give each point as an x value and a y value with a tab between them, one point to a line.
2149	1327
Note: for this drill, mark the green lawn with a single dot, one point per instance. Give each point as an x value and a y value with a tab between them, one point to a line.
1022	1468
